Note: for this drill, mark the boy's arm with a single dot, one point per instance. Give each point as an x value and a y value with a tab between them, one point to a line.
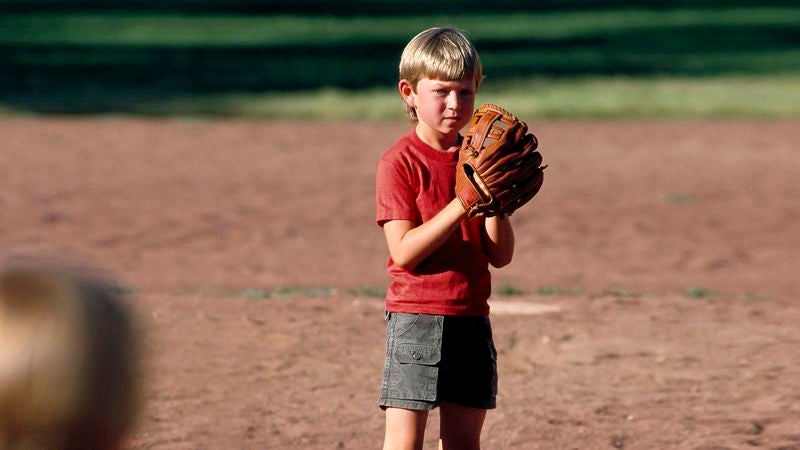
408	245
499	240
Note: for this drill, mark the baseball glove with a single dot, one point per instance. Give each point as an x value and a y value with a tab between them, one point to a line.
499	169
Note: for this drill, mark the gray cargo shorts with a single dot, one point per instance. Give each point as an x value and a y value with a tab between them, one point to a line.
432	359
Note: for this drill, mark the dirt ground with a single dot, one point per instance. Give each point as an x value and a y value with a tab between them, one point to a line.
654	283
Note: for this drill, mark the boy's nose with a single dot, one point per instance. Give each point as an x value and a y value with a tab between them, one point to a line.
452	100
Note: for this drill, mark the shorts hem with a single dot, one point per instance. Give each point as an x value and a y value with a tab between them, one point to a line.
428	406
407	404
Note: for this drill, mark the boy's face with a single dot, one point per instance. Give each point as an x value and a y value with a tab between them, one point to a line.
443	107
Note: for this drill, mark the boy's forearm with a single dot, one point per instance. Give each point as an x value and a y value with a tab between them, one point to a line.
500	240
418	243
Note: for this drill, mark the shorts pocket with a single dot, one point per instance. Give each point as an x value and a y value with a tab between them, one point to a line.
403	323
417	370
426	355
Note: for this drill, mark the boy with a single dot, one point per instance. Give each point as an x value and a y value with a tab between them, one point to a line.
440	351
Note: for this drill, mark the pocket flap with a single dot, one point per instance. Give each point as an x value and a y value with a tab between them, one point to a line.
428	355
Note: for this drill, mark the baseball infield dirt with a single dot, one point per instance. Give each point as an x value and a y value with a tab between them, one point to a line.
651	303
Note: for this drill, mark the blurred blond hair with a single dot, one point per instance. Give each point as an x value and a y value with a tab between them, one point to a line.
69	359
439	53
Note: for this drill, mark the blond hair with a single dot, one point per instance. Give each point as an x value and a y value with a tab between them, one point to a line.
439	53
68	360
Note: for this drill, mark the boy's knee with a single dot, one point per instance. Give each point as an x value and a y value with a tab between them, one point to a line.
405	429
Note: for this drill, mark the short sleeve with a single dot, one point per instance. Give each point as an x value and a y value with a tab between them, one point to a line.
394	193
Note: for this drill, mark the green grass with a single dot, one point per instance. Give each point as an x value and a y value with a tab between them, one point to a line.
621	293
289	292
123	289
678	198
367	291
586	97
699	292
552	290
508	290
754	296
502	290
670	97
262	294
223	30
594	63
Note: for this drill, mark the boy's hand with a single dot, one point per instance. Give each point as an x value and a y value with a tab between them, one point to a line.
499	169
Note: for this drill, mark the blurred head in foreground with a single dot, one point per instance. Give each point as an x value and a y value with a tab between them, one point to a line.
68	360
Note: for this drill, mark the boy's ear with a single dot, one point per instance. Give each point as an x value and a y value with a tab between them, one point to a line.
407	92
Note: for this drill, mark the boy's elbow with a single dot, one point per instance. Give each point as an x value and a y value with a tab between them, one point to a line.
501	261
403	262
406	267
500	264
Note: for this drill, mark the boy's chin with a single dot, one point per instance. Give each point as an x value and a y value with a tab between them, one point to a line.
453	124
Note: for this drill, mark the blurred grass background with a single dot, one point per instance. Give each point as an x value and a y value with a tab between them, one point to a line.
323	60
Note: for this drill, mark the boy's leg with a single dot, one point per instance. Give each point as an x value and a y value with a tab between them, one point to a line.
460	427
405	429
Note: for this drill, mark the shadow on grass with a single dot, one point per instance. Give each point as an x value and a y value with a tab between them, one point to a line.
88	79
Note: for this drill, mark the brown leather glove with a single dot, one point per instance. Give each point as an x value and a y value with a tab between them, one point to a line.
499	169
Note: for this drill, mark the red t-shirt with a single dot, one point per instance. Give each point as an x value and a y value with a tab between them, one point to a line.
414	182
